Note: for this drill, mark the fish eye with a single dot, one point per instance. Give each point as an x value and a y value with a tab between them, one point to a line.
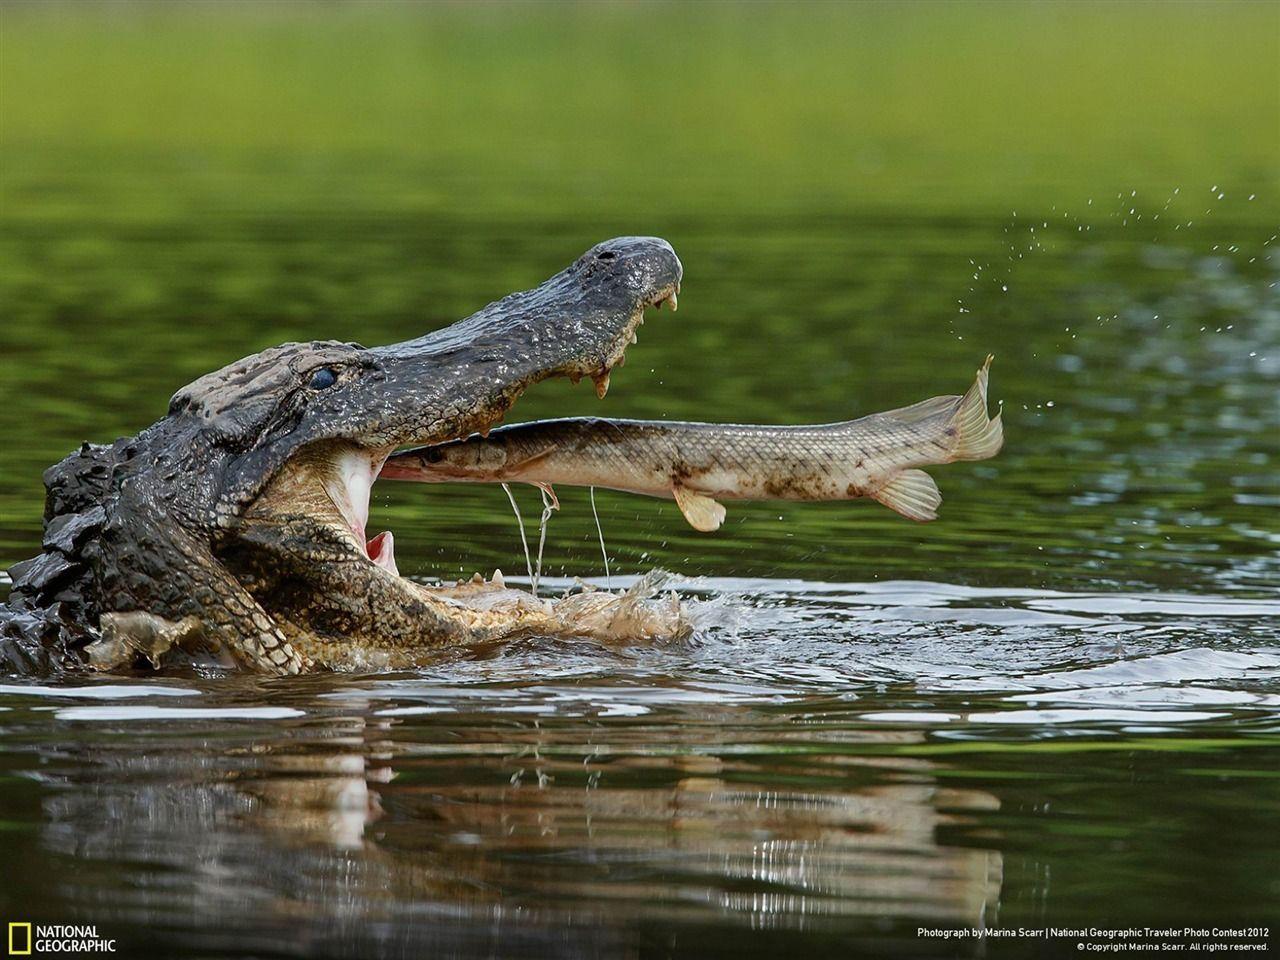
323	378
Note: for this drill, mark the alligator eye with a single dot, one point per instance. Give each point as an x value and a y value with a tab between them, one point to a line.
323	378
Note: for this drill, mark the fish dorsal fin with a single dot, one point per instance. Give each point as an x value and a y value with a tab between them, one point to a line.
911	493
703	513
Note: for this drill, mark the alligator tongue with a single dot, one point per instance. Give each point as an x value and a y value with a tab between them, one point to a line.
382	551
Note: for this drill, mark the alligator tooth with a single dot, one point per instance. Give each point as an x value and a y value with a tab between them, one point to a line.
497	579
633	336
484	431
476	578
673	301
602	384
622	360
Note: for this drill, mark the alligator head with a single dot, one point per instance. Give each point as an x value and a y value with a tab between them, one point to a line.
236	524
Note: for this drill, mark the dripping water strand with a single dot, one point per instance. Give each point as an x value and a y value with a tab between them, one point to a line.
524	541
608	581
548	504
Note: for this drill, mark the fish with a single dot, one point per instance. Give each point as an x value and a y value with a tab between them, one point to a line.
878	456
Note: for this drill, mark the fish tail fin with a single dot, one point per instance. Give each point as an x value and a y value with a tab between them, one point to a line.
959	426
911	493
976	436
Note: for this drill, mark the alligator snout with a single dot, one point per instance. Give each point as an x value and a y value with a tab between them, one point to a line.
638	265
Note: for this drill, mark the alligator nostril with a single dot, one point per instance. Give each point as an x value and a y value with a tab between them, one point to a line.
605	255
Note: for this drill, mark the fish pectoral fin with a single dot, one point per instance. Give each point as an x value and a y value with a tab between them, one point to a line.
911	493
703	513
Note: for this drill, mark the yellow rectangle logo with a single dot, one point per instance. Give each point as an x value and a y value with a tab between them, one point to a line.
15	932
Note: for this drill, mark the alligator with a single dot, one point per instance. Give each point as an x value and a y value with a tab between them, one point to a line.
233	529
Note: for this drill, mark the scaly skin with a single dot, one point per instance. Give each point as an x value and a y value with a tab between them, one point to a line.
181	535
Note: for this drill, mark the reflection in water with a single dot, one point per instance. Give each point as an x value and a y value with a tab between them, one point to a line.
354	816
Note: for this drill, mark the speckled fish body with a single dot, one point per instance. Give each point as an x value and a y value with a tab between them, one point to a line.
877	456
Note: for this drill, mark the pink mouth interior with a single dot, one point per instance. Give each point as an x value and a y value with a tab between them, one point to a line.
349	490
382	551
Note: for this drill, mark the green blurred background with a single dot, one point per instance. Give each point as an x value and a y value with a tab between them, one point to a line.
184	184
635	108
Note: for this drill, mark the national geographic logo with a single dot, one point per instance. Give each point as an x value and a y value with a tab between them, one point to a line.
26	939
19	939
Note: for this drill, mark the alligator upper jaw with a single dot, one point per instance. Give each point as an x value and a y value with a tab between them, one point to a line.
578	324
464	378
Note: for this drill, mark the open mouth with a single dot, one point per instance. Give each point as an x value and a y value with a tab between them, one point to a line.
349	484
347	472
